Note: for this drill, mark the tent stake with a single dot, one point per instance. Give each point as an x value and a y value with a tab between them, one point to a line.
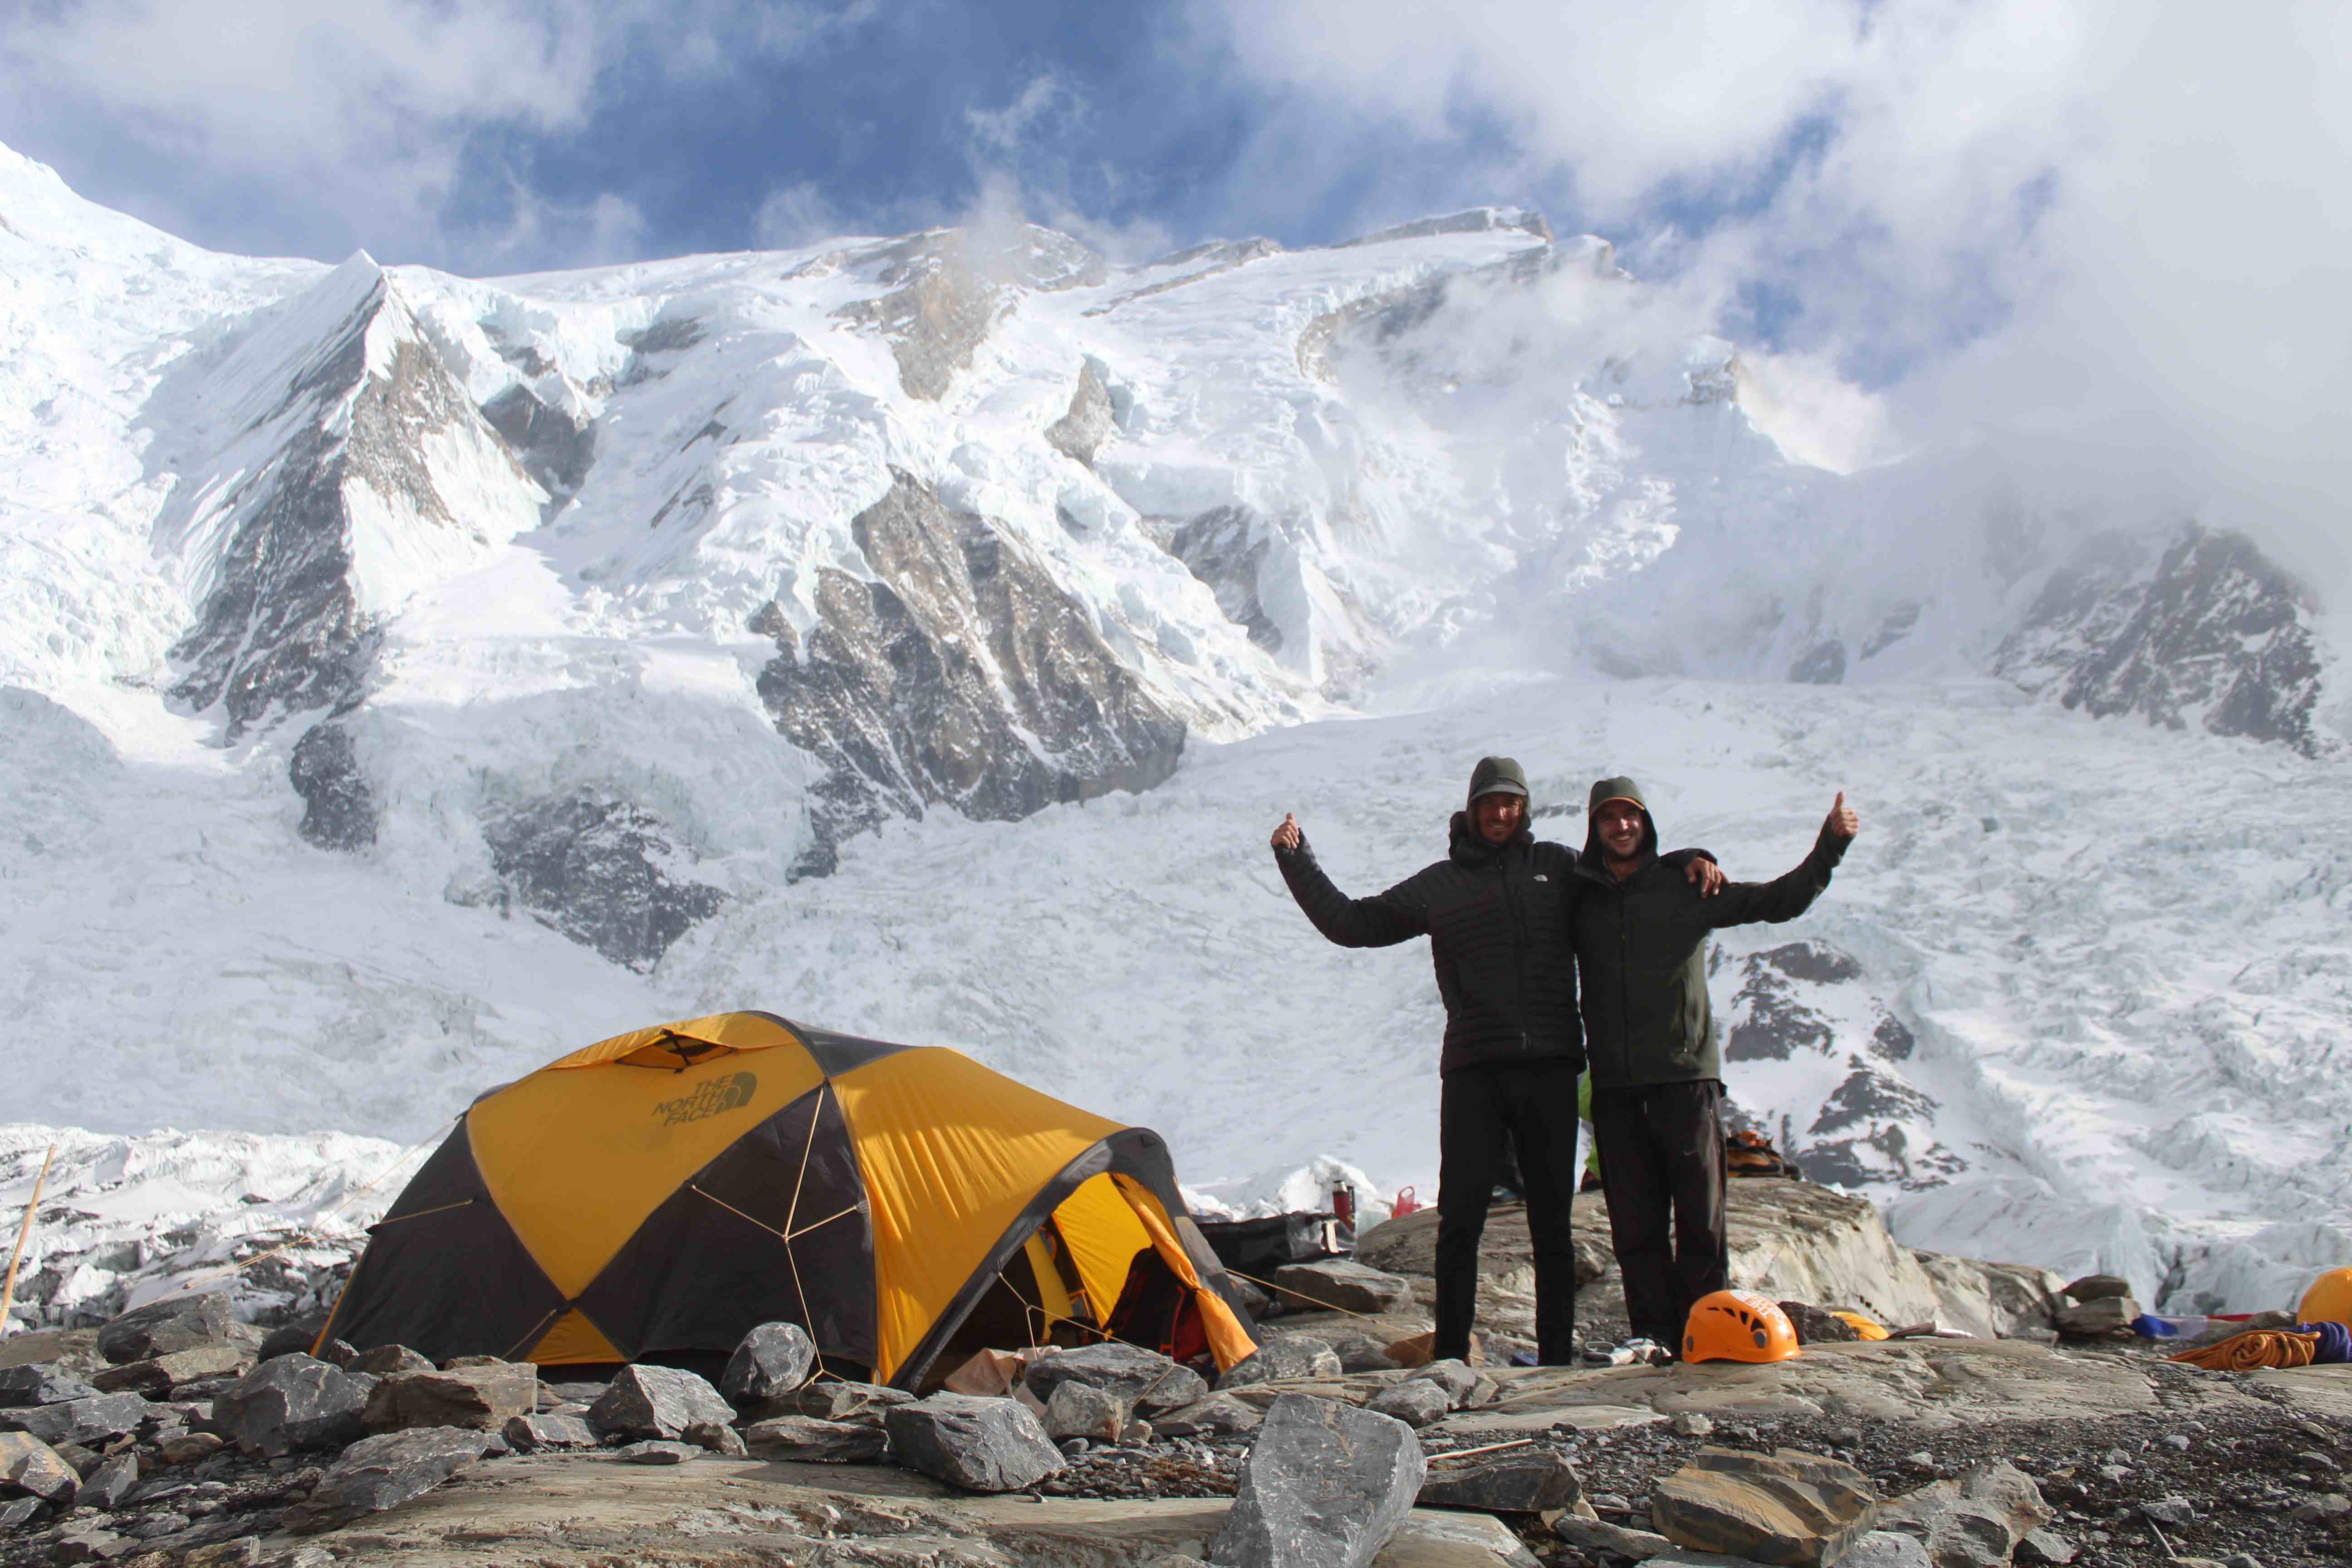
23	1232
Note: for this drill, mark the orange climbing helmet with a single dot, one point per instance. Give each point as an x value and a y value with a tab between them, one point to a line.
1737	1325
2329	1299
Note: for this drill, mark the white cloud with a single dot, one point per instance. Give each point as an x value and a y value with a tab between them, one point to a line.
2095	227
796	215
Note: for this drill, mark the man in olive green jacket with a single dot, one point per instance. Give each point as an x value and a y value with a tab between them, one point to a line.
1640	935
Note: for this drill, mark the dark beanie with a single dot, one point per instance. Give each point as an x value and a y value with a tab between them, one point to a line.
1497	775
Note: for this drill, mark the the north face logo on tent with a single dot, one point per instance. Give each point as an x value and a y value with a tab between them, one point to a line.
708	1099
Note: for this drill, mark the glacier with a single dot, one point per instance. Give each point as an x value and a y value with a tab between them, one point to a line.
405	679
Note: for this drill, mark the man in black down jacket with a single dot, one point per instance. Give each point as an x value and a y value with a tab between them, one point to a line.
1658	1071
1495	913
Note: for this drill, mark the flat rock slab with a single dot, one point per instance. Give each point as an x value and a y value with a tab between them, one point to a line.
381	1472
981	1445
657	1402
484	1398
32	1467
293	1402
1145	1380
41	1382
807	1440
1547	1417
1523	1480
1802	1511
559	1513
2320	1390
1284	1358
1339	1284
176	1322
158	1375
89	1422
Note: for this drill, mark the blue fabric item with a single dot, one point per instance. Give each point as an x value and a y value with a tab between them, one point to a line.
2334	1341
2149	1326
1523	1358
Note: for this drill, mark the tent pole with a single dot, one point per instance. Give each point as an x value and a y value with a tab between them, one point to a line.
23	1232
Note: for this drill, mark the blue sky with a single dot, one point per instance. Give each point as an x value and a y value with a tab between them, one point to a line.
2108	236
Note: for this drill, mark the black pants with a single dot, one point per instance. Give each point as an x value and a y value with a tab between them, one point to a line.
1535	1105
1661	1161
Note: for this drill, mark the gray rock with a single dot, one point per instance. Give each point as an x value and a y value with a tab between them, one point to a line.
290	1338
1885	1549
1458	1378
1597	1535
85	1421
1146	1381
1786	1507
2098	1288
1088	423
657	1401
2103	1315
1818	1325
981	1445
157	1376
716	1437
598	868
389	1361
835	1401
1518	1480
294	1402
1357	1354
31	1466
529	1434
2242	1559
1285	1358
177	1322
2049	1549
583	1394
772	1361
245	1552
1082	1410
653	1451
1324	1486
338	1353
15	1512
89	1543
383	1472
1691	1423
1415	1403
803	1440
1976	1518
1342	1284
2174	1509
41	1382
187	1447
110	1482
484	1398
1219	1413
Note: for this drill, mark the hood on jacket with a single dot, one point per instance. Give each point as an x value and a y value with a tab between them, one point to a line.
1497	775
1603	792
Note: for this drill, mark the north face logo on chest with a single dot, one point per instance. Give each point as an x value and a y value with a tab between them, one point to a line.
1542	877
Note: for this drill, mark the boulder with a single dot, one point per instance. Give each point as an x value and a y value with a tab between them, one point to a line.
2100	1315
291	1339
1219	1413
657	1402
980	1445
15	1512
1146	1381
1357	1354
1459	1379
772	1360
529	1434
1341	1284
803	1440
157	1375
84	1420
655	1452
1993	1300
1973	1519
381	1472
1285	1358
1591	1535
1885	1548
1518	1481
833	1401
1082	1410
389	1361
1416	1404
483	1398
81	1542
2097	1287
176	1322
187	1447
107	1485
1786	1507
32	1467
716	1438
1324	1486
41	1382
2039	1548
293	1402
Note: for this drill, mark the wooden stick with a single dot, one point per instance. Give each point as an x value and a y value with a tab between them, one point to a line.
1489	1448
23	1232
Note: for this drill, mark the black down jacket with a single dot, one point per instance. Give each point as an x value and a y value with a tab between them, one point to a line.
1498	919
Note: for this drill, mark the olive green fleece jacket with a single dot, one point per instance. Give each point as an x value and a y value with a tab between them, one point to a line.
1641	951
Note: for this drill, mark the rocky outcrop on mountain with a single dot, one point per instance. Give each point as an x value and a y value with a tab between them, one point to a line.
553	448
338	805
604	872
1089	424
949	286
960	675
2209	632
1224	547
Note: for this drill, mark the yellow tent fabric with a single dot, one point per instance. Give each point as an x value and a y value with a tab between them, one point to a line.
657	1193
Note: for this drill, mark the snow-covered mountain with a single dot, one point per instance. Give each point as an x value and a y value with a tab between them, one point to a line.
405	677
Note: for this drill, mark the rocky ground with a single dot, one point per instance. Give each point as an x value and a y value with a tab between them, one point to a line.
199	1446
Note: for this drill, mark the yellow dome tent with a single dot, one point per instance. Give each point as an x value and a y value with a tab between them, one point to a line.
655	1196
